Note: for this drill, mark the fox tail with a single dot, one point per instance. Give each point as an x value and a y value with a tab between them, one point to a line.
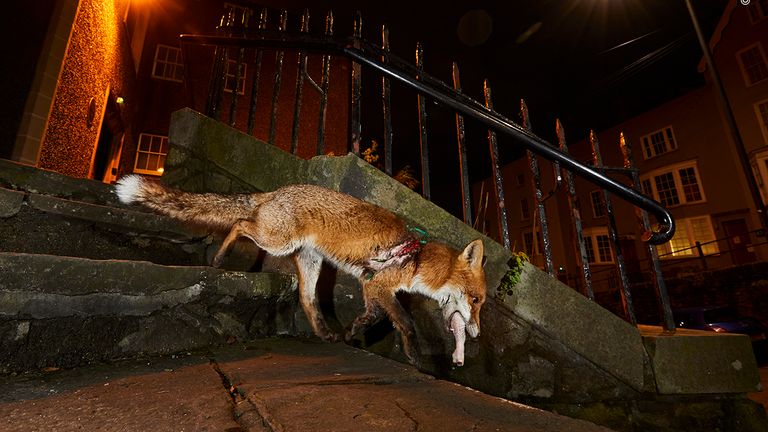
207	209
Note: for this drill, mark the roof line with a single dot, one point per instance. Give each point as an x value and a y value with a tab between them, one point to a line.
725	19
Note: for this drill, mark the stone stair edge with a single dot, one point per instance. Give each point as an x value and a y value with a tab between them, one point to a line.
132	219
20	177
9	259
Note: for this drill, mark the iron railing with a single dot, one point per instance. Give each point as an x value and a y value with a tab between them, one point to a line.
237	33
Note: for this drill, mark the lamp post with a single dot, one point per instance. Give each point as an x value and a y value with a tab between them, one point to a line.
730	119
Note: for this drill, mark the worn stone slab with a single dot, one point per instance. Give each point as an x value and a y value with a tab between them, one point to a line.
128	219
45	286
698	362
276	384
148	395
34	180
64	312
309	386
212	146
582	325
10	202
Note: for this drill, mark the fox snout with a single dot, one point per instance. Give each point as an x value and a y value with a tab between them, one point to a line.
473	329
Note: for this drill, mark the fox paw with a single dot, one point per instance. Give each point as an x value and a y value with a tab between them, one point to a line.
331	337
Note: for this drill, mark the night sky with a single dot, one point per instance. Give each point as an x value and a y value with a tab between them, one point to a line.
590	63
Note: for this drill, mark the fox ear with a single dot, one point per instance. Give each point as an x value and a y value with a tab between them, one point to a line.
473	254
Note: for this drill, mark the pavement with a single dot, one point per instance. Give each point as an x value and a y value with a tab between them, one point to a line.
264	385
762	396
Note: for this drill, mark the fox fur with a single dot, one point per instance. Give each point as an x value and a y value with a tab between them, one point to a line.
314	224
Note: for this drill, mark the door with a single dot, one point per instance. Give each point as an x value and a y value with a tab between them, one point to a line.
110	143
738	241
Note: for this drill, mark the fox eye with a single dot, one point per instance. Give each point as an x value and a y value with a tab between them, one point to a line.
475	300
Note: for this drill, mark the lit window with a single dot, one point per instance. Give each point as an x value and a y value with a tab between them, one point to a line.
753	64
758	10
676	185
229	77
597	244
688	232
598	203
658	143
168	64
150	157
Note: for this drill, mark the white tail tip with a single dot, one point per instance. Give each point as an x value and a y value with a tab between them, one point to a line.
128	188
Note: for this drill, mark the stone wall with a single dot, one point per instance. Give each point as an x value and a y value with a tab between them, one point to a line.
545	344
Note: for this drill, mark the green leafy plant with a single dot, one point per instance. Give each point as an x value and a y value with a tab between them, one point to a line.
512	277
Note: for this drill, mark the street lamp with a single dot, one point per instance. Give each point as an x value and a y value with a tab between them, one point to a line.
730	120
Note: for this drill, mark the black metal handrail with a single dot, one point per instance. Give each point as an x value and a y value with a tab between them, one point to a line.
367	54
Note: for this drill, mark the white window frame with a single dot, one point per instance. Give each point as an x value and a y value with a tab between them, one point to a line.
683	243
597	201
675	171
147	148
166	68
229	78
670	142
760	170
757	11
593	238
762	117
744	73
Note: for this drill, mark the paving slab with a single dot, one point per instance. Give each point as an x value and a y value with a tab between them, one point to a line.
264	385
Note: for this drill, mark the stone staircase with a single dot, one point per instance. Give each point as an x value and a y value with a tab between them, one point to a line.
85	279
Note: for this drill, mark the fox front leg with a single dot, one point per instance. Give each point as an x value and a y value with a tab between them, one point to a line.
403	323
372	315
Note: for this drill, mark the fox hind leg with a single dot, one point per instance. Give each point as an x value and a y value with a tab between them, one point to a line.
241	228
308	265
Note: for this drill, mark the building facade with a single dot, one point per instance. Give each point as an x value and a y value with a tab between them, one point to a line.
687	160
108	74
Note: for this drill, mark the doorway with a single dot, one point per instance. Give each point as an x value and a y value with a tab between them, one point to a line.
739	242
109	146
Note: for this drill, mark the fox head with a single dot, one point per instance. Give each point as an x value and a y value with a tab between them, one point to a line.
466	288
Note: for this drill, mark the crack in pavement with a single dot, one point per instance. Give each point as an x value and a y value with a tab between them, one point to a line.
247	413
409	416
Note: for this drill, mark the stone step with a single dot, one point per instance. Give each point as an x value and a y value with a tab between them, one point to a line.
39	181
46	224
63	311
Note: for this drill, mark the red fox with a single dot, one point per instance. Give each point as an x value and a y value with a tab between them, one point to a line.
315	224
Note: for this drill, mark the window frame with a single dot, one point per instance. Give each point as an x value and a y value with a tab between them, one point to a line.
646	144
685	226
161	156
525	209
177	65
744	72
762	120
539	249
229	79
592	244
674	169
598	211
